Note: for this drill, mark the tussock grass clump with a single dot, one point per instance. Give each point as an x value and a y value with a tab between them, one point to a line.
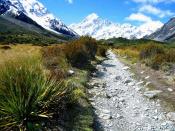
25	92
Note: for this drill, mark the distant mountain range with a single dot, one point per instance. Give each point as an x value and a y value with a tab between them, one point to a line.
33	12
98	28
166	33
29	20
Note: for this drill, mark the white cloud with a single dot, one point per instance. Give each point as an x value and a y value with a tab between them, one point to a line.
154	1
155	11
70	1
152	25
148	7
147	24
139	17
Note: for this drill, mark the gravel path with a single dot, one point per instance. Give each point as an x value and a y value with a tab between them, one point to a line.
119	101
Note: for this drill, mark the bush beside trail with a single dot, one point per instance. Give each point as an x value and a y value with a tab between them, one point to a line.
152	53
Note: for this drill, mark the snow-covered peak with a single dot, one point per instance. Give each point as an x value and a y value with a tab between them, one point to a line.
92	17
99	28
30	6
38	13
150	27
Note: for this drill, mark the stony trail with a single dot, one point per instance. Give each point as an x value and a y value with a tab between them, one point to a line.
120	103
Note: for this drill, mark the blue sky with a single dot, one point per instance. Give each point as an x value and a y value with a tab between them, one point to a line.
121	11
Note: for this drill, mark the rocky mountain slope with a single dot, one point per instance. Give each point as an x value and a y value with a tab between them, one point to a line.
33	12
166	33
98	28
16	31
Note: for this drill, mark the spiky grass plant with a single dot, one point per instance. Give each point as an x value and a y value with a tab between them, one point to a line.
25	92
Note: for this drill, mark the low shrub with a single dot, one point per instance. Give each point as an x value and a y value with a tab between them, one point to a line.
101	50
154	55
168	67
77	53
5	47
25	92
150	50
170	55
55	60
81	51
157	61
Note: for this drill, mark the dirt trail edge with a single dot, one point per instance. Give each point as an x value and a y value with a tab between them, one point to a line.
121	104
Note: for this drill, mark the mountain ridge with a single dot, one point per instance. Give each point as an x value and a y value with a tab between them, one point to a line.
36	12
166	33
16	31
105	29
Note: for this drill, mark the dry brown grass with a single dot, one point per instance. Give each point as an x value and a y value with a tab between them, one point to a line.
54	59
18	51
131	53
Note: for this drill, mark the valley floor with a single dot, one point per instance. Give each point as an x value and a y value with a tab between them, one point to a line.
123	103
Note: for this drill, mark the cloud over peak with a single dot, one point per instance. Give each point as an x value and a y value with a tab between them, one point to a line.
149	9
149	13
147	22
138	17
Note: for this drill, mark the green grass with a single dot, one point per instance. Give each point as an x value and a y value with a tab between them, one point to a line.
25	92
80	110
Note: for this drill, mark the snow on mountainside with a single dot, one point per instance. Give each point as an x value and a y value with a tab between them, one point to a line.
37	12
98	28
166	33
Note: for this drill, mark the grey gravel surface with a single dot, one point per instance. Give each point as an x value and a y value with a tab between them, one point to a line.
120	103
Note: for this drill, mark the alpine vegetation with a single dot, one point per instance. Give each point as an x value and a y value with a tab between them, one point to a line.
25	93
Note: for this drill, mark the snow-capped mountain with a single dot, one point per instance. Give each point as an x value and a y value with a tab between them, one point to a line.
35	11
98	28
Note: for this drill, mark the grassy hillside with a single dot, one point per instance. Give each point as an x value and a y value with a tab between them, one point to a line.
15	31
